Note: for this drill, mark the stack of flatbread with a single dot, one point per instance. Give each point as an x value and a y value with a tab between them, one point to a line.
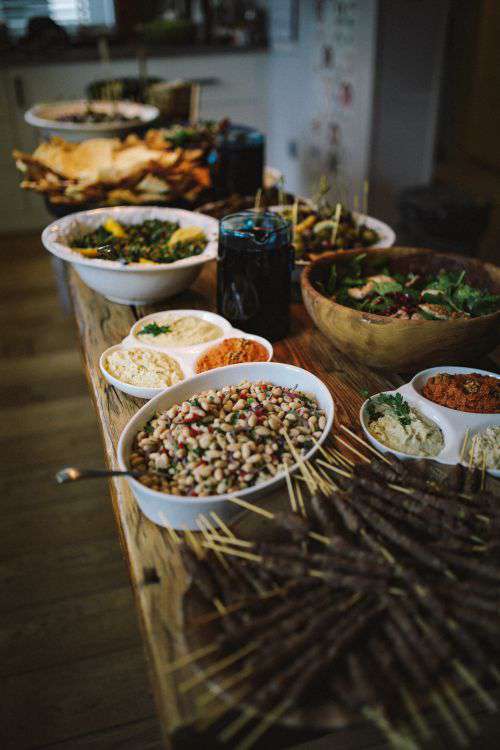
109	171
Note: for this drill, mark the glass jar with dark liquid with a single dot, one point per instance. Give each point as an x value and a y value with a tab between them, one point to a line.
254	272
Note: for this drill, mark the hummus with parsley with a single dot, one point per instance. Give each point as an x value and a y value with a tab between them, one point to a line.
170	331
401	427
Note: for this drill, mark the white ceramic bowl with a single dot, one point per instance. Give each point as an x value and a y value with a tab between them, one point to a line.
44	117
182	512
452	422
135	283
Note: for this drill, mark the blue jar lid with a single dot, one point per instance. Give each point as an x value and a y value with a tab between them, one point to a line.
240	136
258	228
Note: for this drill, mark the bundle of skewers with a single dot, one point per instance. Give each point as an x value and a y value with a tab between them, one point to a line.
377	592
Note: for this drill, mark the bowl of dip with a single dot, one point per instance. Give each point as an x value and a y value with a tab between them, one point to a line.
139	371
179	329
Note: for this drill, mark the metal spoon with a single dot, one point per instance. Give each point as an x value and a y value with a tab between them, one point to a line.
72	474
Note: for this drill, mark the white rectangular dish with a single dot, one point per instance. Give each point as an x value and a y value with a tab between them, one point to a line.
182	511
453	423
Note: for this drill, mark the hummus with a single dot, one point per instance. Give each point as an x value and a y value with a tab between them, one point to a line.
414	434
486	447
144	368
186	331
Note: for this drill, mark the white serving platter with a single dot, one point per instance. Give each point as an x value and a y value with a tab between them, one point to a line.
453	423
185	356
183	511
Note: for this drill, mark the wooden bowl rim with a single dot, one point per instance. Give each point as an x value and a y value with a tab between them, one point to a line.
309	290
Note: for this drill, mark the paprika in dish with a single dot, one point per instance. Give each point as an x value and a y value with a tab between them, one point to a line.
469	392
232	352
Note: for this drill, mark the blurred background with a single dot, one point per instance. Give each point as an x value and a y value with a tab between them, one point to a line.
403	93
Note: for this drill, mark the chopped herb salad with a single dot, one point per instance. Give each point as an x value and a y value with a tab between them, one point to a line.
443	295
152	241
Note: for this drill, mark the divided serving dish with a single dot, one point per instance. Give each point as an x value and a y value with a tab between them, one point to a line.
186	356
182	511
453	423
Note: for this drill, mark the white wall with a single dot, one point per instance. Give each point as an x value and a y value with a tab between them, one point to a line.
303	96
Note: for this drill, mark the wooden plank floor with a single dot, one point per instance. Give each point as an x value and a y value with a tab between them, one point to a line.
72	667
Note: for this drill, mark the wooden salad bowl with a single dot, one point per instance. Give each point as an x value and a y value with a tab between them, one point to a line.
396	344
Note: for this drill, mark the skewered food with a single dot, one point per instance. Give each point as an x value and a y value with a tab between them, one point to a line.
226	440
471	392
325	228
384	291
402	427
396	616
152	241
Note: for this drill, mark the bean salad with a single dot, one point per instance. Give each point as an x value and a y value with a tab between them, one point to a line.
226	440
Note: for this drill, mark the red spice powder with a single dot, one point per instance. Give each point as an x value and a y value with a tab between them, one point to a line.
472	392
232	352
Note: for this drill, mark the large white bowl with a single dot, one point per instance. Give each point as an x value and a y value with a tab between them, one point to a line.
182	512
135	283
44	117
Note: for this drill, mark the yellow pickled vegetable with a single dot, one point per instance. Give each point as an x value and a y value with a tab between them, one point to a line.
187	234
114	228
146	260
88	252
306	224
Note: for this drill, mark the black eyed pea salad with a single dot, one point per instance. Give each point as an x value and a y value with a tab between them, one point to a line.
226	440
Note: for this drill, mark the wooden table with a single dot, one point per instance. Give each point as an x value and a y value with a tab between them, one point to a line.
157	577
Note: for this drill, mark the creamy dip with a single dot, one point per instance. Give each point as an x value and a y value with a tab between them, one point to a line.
185	331
486	447
144	368
418	436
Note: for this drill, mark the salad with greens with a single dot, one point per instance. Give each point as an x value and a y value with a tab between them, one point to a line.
442	295
152	241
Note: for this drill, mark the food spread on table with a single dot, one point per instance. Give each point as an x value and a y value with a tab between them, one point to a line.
151	241
109	171
324	229
227	439
402	427
144	367
169	330
470	392
445	295
93	115
231	352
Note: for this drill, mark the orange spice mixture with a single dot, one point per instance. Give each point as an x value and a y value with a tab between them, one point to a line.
471	392
232	352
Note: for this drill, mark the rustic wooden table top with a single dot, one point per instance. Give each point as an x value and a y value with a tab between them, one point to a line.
156	575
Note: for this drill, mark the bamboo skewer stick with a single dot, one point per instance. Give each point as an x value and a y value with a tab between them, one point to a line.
258	199
464	444
268	720
291	495
365	443
221	523
219	666
352	449
235	552
249	506
338	212
204	526
366	191
300	498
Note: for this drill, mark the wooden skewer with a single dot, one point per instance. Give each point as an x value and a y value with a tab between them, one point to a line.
295	214
219	666
352	449
291	495
301	463
483	470
171	531
183	661
204	525
268	720
258	199
231	540
335	469
235	552
366	191
223	685
338	457
221	523
195	545
338	211
365	443
300	498
464	444
249	506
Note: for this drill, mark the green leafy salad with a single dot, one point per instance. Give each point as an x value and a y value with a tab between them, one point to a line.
443	295
152	241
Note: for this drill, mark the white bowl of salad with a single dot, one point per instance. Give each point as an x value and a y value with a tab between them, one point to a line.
134	255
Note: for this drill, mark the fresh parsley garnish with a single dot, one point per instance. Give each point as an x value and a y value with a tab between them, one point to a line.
397	404
153	329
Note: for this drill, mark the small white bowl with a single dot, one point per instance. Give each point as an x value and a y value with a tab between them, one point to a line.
181	512
135	283
136	391
44	117
206	315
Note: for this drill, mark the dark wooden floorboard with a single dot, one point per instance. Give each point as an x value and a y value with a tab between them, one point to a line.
72	669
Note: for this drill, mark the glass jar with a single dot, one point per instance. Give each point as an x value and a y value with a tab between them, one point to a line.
237	161
254	272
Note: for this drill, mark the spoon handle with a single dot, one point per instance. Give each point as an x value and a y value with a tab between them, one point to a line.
72	474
